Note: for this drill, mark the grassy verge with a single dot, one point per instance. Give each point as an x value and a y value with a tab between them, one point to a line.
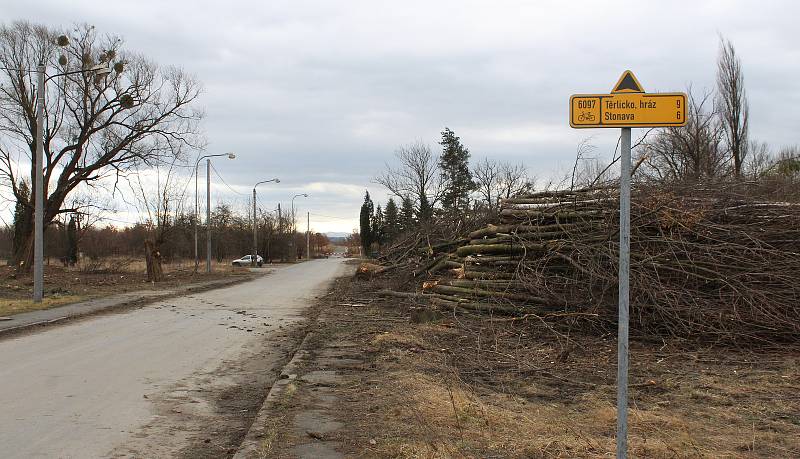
102	278
10	307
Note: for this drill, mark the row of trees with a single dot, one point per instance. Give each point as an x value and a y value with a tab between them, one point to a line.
232	237
426	189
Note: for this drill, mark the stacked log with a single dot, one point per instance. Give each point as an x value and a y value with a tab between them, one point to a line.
704	264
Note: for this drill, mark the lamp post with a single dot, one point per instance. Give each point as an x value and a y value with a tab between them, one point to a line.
38	176
294	254
254	256
308	235
197	210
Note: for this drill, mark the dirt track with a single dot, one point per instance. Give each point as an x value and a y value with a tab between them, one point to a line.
181	377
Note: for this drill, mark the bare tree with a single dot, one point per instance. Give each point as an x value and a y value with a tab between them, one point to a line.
690	152
416	175
787	163
733	107
162	203
500	180
759	161
487	175
96	127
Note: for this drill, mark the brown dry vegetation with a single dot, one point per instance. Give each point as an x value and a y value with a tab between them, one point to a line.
93	279
477	386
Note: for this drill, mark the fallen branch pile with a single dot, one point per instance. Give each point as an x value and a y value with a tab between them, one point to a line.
711	265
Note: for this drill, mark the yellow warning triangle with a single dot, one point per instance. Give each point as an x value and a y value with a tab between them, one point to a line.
627	83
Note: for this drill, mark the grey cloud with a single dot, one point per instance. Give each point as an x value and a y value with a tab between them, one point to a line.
324	92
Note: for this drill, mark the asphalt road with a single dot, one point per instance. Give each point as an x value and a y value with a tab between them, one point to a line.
147	382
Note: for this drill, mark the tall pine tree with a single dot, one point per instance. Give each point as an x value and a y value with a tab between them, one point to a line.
456	176
391	218
365	220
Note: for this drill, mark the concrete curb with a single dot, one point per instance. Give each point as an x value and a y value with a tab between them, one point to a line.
126	300
251	444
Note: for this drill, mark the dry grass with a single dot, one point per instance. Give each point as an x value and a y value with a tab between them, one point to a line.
432	413
469	387
10	307
96	278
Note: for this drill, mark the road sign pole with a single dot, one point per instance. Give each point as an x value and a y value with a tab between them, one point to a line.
626	107
624	294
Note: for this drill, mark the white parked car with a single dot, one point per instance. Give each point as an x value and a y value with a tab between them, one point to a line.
247	260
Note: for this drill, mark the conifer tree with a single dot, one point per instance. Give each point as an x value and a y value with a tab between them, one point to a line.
407	214
456	176
72	242
391	219
425	211
365	221
378	226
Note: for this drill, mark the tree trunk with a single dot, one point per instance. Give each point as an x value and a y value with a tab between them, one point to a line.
153	259
22	258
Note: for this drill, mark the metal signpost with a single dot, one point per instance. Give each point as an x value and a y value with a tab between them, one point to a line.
626	107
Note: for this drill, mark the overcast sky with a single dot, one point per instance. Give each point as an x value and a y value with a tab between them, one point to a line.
320	93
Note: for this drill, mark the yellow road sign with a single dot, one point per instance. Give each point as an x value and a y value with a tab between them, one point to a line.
627	106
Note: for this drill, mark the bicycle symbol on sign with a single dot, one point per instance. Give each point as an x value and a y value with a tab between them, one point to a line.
586	116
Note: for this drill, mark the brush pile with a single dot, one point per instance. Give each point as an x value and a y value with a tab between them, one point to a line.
717	266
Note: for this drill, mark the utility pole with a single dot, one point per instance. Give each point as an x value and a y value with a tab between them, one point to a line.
196	210
293	229
196	216
208	215
254	255
280	229
38	217
308	235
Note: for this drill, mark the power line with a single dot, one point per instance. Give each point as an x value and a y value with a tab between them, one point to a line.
117	220
329	216
226	183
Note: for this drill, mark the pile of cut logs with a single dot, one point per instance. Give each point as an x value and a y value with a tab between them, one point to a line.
710	265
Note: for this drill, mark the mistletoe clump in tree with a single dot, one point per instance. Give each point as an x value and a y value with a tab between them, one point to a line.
97	127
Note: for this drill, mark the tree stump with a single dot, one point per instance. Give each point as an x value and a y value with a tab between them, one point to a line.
153	261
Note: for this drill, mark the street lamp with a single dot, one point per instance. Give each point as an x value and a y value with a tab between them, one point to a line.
292	240
38	200
208	208
254	257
